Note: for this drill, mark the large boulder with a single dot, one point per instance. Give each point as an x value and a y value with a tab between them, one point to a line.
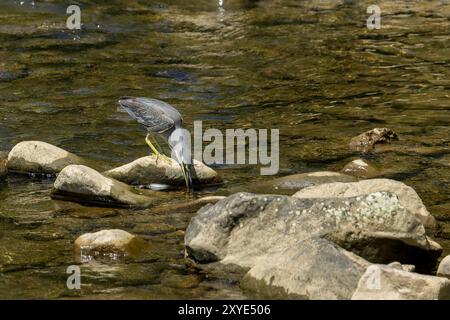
292	183
82	184
255	232
3	160
368	140
109	244
381	282
39	157
161	170
407	196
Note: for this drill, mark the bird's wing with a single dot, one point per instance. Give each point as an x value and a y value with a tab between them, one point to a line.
148	112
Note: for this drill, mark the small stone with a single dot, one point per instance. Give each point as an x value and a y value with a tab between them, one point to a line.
110	244
361	169
444	267
366	141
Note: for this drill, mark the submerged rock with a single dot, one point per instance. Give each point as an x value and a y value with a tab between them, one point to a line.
82	184
361	169
292	183
162	170
3	160
381	282
366	141
444	268
39	157
407	196
264	233
110	244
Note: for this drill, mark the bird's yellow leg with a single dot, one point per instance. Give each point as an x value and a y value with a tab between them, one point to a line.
150	144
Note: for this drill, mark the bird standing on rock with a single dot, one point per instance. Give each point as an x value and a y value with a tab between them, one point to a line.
160	118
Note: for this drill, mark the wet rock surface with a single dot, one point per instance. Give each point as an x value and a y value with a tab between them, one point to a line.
406	195
361	169
37	157
368	140
386	283
292	183
254	232
161	170
79	183
109	244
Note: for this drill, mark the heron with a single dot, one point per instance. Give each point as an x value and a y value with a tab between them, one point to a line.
160	118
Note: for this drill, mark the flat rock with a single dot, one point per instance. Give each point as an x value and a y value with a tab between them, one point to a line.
82	184
361	169
263	232
366	141
406	195
381	282
110	244
444	268
292	183
161	170
39	157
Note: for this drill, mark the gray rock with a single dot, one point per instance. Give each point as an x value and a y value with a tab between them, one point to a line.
407	196
361	169
39	157
161	170
82	184
366	141
110	244
314	269
444	267
292	183
3	161
254	232
381	282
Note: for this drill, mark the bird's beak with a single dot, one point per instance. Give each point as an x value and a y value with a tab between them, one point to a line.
185	168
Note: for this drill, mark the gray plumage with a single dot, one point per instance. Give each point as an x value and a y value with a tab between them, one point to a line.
161	118
155	115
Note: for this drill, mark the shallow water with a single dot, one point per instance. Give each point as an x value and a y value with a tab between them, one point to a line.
309	68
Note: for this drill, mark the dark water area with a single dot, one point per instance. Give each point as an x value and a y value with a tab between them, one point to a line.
308	68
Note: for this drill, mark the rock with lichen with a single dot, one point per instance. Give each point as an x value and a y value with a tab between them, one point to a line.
268	236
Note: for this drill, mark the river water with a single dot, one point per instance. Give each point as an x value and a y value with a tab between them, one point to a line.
311	69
